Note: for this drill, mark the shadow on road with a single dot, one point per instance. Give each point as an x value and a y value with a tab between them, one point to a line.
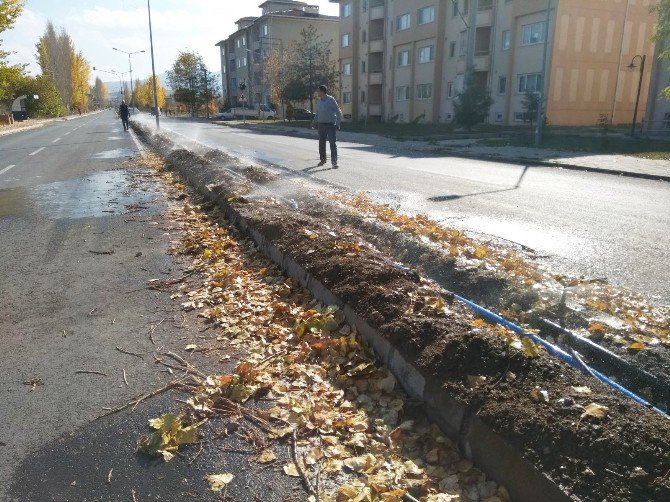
445	198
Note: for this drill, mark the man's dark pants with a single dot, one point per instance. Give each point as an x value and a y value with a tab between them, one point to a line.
126	124
328	132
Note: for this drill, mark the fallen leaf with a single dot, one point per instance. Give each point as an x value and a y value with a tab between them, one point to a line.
595	410
267	456
636	346
218	482
581	390
291	470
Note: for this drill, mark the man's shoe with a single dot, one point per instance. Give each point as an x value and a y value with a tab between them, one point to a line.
322	163
335	166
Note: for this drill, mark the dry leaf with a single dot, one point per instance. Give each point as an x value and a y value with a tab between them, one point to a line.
476	381
581	390
218	482
267	456
291	470
595	410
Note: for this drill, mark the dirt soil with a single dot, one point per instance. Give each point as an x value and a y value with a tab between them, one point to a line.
531	401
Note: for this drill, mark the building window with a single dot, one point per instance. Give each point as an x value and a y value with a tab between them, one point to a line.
462	43
454	11
345	40
365	36
424	91
266	30
450	90
244	61
425	15
365	5
362	96
346	97
521	116
530	82
402	93
466	6
502	85
233	83
346	69
426	54
244	41
532	33
346	10
506	39
452	49
239	43
403	58
402	22
362	66
499	117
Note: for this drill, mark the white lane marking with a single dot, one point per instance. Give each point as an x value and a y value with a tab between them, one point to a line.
56	140
37	151
7	169
67	133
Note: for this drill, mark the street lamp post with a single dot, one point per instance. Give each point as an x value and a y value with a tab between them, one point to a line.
153	68
130	66
119	75
632	66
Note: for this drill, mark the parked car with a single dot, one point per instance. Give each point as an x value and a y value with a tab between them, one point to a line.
226	114
302	114
255	112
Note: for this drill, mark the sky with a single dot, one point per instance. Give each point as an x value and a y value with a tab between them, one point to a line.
98	25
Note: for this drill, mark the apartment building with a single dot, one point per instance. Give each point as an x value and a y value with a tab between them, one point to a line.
244	51
405	60
657	118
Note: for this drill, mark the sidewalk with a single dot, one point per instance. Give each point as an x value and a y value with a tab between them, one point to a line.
620	165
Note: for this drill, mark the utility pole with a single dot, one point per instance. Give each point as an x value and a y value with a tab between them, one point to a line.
153	69
204	71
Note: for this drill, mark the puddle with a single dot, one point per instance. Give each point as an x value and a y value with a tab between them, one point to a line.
105	193
116	153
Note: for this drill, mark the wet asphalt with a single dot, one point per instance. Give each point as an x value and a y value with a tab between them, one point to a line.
579	223
81	236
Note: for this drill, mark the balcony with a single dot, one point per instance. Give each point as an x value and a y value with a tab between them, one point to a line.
375	78
376	46
377	13
375	62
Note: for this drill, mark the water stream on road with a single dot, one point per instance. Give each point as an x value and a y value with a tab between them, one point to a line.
105	193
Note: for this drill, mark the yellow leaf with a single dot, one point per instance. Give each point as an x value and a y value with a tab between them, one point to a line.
636	346
291	470
595	410
267	456
597	328
529	348
218	482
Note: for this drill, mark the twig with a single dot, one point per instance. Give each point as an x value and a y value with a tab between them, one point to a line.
91	372
196	455
109	477
124	377
270	358
184	362
101	252
151	331
132	492
301	471
129	353
158	360
144	397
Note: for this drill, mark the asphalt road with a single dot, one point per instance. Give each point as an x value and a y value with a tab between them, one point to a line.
587	224
82	232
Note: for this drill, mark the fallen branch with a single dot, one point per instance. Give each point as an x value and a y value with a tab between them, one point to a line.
151	331
124	377
301	471
184	362
135	402
91	372
101	252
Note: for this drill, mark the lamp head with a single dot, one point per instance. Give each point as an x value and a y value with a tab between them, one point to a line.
631	66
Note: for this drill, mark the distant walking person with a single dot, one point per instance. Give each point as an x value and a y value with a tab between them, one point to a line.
328	119
124	113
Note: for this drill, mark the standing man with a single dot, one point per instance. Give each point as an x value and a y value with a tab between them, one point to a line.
124	113
328	119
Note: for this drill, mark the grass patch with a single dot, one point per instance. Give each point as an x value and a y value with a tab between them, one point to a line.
614	145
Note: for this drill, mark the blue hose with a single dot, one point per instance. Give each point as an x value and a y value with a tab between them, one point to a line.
558	352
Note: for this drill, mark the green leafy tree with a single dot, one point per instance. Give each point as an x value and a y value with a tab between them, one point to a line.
309	66
58	60
662	34
530	102
192	84
48	103
471	106
10	75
